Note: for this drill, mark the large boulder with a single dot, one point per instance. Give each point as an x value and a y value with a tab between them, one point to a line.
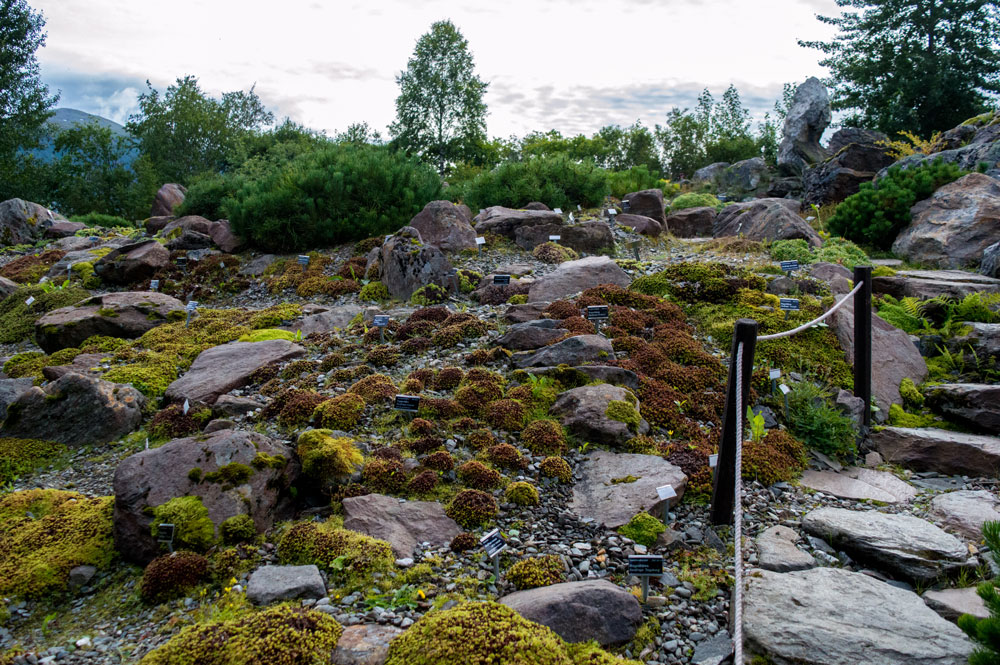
975	405
446	225
943	451
152	477
691	222
575	276
858	154
506	221
270	584
983	337
805	122
764	219
23	222
966	511
990	265
75	410
10	390
403	524
860	484
223	368
581	611
831	616
63	229
900	543
574	350
590	237
195	223
405	264
648	203
167	198
132	263
7	287
325	320
744	178
222	235
955	225
531	335
894	357
613	487
708	175
588	413
646	226
126	314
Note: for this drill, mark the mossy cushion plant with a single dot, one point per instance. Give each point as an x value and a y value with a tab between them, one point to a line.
472	508
21	456
192	527
281	635
556	467
643	528
46	533
537	571
341	412
349	556
521	494
693	200
489	633
172	575
326	457
17	318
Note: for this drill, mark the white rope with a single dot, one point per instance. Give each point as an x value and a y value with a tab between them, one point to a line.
819	318
738	517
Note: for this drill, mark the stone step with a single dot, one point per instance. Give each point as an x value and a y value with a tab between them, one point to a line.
943	451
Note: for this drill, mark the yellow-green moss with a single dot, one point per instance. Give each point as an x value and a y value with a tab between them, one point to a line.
46	533
17	319
643	528
349	557
326	457
911	396
231	475
21	456
192	527
281	635
341	412
267	334
521	494
556	467
900	418
373	292
238	529
623	412
537	571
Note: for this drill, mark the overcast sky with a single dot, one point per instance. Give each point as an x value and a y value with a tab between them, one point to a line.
571	65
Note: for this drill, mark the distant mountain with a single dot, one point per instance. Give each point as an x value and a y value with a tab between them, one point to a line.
65	119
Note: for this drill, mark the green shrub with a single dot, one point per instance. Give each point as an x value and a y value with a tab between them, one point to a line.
192	527
878	212
559	181
643	528
986	632
693	200
792	250
46	533
337	193
812	418
279	635
99	219
844	252
537	571
637	179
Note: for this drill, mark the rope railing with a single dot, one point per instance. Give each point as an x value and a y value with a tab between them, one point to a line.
727	492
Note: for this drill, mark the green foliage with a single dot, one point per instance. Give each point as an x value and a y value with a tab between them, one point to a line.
556	467
46	533
792	250
429	294
558	181
775	457
192	527
373	292
100	219
331	195
184	132
986	632
900	418
281	635
693	200
812	418
637	179
488	633
440	112
844	252
267	334
911	396
24	99
238	529
326	457
350	557
521	494
877	213
920	66
537	571
756	421
643	528
21	456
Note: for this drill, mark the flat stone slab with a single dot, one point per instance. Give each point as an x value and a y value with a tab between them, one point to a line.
364	644
902	544
574	350
831	616
860	483
953	603
612	504
581	611
776	551
402	524
270	584
965	511
933	283
943	451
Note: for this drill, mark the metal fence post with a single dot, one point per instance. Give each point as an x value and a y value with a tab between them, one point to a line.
863	342
745	331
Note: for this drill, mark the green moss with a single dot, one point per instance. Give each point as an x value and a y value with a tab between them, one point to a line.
263	461
556	467
431	294
693	200
326	457
537	571
521	494
231	475
21	456
544	437
900	418
46	533
624	480
17	319
192	527
172	575
342	412
238	529
643	528
489	633
553	252
911	396
777	457
349	557
267	334
645	636
107	313
373	292
279	635
195	475
623	412
472	508
518	299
